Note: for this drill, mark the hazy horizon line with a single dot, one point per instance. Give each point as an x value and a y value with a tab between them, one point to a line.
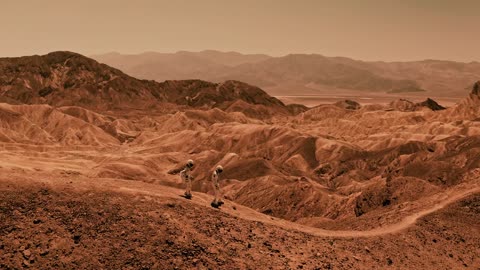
92	55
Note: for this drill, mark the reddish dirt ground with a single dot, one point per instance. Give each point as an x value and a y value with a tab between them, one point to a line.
69	222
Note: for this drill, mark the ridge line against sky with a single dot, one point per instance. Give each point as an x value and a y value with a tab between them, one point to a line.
369	30
277	56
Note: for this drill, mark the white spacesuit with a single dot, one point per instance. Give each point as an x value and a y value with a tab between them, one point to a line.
217	201
187	178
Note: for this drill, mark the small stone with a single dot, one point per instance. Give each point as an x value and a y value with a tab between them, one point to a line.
44	252
27	253
76	238
249	245
367	249
36	221
389	261
26	263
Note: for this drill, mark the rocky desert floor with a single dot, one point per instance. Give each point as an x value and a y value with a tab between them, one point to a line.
65	221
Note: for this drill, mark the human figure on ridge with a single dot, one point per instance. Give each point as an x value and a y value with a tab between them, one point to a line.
217	201
187	178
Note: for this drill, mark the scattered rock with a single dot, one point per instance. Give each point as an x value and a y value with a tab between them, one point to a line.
76	238
27	253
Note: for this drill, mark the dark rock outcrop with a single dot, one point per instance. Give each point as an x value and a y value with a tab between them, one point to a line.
431	104
476	89
405	105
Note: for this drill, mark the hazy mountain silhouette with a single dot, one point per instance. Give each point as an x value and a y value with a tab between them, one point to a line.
299	74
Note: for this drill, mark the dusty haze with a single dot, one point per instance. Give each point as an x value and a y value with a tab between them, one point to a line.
366	30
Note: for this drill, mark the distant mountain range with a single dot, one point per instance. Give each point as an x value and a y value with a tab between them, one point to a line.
302	74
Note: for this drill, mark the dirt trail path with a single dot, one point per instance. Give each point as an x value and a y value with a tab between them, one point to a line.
431	205
425	207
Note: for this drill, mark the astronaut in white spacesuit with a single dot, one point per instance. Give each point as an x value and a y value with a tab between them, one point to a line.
217	201
188	178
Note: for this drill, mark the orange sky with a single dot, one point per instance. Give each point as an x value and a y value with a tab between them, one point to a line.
361	29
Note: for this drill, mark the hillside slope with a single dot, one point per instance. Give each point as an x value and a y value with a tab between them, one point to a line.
70	79
64	223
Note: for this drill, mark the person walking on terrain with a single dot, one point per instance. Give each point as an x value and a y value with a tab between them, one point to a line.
217	201
187	178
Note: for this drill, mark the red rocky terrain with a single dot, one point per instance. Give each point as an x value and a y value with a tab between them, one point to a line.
89	154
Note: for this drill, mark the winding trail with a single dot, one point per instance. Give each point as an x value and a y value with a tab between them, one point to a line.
243	212
136	188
